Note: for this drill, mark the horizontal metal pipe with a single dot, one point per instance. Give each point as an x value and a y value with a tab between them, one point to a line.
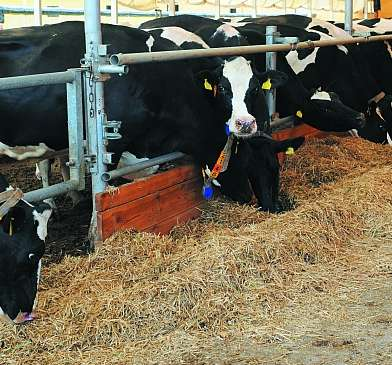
112	69
107	176
67	11
51	191
20	82
133	58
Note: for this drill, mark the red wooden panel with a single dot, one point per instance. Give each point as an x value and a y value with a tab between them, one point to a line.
153	210
165	226
145	186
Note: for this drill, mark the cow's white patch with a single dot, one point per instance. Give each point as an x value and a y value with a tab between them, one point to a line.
298	65
378	111
42	219
324	36
389	48
238	72
389	139
238	25
321	95
129	159
179	36
22	152
228	31
150	42
38	281
353	133
333	30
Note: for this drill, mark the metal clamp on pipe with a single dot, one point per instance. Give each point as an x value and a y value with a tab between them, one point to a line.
114	125
113	69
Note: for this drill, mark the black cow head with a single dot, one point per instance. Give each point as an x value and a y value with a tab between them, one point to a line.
377	129
324	111
238	93
22	234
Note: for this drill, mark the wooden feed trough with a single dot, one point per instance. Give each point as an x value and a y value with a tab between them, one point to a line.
161	201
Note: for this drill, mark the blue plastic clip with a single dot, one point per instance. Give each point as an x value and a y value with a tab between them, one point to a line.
207	192
227	130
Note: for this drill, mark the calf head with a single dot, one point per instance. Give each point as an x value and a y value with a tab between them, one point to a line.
238	94
324	111
22	234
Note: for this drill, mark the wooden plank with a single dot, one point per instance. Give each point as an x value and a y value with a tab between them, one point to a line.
150	210
15	197
145	186
165	226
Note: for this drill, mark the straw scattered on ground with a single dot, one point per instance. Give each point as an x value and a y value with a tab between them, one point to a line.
218	288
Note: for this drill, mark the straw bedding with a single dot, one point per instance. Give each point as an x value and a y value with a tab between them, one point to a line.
199	294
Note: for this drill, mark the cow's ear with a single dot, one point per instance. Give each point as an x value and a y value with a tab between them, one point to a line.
272	79
207	79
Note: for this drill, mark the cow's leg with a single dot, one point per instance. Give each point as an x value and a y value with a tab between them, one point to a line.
75	196
42	172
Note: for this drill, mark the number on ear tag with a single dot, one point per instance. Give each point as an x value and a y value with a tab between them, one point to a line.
298	114
266	85
207	85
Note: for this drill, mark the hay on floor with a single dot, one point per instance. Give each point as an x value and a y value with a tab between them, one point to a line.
142	298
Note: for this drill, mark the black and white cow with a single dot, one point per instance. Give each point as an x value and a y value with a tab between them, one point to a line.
325	113
22	243
341	69
163	106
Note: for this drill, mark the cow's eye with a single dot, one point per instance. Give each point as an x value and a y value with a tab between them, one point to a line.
221	89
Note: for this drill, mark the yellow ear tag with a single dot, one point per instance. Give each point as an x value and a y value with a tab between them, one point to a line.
207	85
290	151
266	85
298	114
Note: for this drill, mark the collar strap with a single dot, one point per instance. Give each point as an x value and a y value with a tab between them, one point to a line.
219	167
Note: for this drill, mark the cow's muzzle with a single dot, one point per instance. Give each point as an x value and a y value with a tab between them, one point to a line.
245	126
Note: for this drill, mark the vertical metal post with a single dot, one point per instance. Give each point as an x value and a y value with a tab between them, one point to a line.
254	14
218	10
310	8
365	9
37	12
75	129
114	11
94	104
270	64
348	16
332	12
172	7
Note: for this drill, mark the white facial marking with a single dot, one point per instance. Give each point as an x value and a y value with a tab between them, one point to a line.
321	95
353	133
238	72
389	48
378	111
22	152
228	30
150	42
42	219
179	36
389	139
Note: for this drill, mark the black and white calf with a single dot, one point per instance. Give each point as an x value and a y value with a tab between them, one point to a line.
23	231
